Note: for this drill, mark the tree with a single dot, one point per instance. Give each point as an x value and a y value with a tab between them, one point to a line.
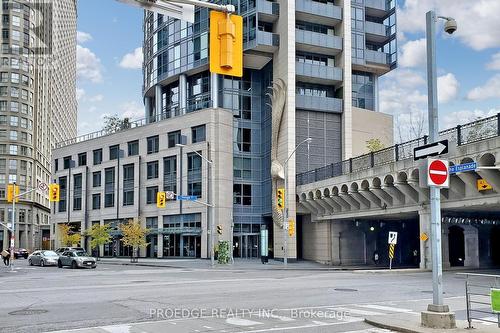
68	236
374	145
134	235
101	234
114	124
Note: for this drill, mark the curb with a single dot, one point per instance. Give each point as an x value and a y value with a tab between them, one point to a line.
390	327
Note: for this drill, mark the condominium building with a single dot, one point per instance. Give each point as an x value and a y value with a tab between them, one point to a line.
330	55
37	108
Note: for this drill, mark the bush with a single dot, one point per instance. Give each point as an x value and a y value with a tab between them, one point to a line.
223	252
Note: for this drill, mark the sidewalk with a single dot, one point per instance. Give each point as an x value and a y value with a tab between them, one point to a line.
410	323
242	264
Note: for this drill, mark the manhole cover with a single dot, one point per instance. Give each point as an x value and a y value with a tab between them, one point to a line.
27	312
345	289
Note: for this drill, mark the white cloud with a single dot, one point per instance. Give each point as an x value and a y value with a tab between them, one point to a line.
132	110
88	65
495	62
413	54
96	98
447	87
80	93
491	89
478	22
83	37
453	119
132	60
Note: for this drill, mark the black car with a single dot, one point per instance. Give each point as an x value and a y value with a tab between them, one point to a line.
21	253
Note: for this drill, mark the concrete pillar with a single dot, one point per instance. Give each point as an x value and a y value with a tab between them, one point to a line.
445	245
183	95
335	245
424	216
160	245
148	109
158	102
471	239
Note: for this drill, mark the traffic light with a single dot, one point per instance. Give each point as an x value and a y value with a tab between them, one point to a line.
291	228
12	190
161	199
219	229
280	196
54	192
226	44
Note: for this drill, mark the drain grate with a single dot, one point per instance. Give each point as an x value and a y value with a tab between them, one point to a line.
28	312
345	289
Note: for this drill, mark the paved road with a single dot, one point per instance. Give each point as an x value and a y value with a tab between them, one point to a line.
114	298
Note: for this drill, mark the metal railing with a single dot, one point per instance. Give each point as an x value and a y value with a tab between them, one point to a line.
478	297
478	130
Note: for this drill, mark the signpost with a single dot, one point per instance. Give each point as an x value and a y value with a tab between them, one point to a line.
432	149
463	167
392	241
437	173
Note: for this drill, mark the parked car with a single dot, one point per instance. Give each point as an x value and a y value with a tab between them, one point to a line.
76	259
43	258
61	250
21	253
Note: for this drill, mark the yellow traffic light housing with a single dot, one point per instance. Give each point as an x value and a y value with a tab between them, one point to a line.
54	194
280	198
161	199
219	229
291	228
12	191
226	44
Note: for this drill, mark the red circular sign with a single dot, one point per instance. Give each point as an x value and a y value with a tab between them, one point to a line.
438	172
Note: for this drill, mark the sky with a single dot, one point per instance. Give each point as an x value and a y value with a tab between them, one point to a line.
109	60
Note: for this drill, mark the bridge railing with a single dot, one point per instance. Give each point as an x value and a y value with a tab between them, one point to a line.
478	130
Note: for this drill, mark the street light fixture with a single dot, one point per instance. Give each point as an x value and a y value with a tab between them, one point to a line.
435	203
285	208
210	203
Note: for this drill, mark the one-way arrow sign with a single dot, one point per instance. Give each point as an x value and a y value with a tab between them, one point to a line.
433	149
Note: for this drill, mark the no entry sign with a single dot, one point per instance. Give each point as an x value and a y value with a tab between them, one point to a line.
437	173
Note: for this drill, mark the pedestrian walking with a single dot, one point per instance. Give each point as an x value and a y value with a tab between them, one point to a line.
6	257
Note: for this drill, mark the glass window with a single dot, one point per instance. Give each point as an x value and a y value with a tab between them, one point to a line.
198	134
244	139
67	162
133	148
152	222
174	138
96	179
96	201
242	194
170	174
63	194
152	169
194	175
82	159
153	144
151	194
242	167
114	151
97	156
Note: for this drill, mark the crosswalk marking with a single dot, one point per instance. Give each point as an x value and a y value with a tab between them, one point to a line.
358	311
242	322
385	308
117	328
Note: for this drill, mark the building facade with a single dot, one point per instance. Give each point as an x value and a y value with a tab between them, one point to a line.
114	178
330	54
37	108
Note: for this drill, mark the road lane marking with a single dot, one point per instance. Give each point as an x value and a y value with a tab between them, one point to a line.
117	328
358	311
385	308
242	322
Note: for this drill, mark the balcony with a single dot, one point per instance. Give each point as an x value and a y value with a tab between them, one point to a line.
318	103
376	8
317	74
268	11
317	43
321	13
376	57
262	41
376	32
374	62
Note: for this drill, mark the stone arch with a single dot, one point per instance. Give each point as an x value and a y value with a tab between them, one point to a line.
389	180
365	185
415	175
310	195
303	197
335	191
466	160
402	177
487	159
344	189
317	194
326	192
354	187
376	182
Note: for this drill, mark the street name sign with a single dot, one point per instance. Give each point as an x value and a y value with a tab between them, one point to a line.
187	197
393	237
463	167
170	195
432	149
437	173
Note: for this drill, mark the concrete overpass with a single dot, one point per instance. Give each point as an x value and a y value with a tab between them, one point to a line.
345	210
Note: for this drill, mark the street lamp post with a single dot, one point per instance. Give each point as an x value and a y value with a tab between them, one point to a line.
210	199
285	208
435	192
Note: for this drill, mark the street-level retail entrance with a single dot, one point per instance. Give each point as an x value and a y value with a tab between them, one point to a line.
246	245
180	245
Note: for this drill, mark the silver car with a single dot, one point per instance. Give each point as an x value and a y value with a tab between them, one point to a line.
43	258
76	259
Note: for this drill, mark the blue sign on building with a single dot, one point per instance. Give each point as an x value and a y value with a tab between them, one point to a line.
187	197
463	167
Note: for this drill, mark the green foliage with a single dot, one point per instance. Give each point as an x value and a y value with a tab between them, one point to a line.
134	235
114	124
223	252
374	145
67	236
100	235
